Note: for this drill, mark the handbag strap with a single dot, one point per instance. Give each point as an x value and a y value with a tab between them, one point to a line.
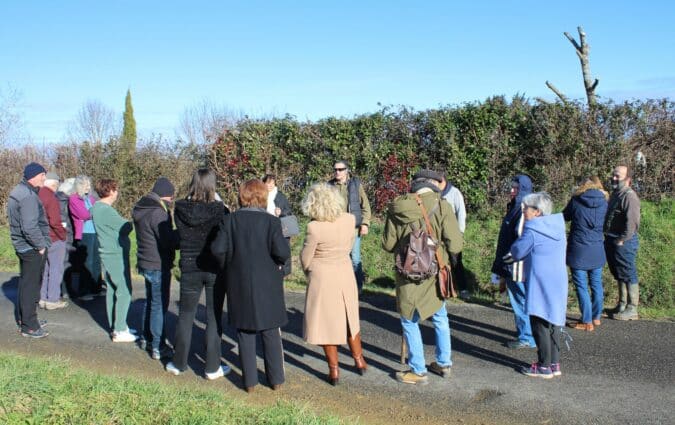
430	231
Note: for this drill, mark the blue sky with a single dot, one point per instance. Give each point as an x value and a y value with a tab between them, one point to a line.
317	59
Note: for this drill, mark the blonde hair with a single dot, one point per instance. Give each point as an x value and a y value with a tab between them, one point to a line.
323	203
588	183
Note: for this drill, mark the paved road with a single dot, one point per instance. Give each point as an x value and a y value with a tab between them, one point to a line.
621	373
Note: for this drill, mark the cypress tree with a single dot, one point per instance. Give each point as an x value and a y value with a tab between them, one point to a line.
128	138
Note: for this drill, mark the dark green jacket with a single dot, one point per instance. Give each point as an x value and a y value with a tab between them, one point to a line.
403	213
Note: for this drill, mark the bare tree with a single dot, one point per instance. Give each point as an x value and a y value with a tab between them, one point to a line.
94	123
203	122
10	118
583	52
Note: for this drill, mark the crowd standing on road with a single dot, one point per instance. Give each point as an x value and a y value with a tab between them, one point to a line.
63	234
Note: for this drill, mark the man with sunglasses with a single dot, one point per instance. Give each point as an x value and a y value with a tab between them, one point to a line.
351	190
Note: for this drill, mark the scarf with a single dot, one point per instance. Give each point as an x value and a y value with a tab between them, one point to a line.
271	206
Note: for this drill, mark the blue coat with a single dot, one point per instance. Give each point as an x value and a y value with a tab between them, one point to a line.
542	247
585	248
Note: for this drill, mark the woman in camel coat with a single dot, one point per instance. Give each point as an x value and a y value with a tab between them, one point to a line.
331	305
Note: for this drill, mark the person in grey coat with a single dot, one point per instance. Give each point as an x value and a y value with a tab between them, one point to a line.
29	232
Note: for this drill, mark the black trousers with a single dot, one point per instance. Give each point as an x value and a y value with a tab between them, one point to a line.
31	265
191	284
547	337
458	274
273	353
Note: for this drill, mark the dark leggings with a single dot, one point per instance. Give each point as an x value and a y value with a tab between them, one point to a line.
547	337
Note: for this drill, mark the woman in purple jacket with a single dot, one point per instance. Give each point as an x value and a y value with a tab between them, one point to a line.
585	250
85	259
542	249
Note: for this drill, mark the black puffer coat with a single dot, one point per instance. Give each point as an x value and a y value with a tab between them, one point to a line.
197	225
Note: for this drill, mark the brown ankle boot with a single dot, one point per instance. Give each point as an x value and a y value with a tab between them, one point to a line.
333	368
357	353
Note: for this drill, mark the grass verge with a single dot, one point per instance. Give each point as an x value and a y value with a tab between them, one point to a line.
53	391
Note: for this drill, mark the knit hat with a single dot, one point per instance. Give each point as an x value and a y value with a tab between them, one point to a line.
163	187
52	176
428	174
32	170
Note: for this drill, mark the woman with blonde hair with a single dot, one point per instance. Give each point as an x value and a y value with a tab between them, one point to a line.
332	304
585	249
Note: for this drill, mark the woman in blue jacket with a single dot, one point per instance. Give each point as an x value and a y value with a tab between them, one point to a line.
585	250
542	249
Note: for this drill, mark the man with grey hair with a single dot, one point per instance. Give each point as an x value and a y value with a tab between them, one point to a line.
29	231
50	293
621	242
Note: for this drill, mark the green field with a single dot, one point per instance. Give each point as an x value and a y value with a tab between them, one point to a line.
54	391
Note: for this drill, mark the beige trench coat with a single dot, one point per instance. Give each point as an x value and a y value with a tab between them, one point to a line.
332	301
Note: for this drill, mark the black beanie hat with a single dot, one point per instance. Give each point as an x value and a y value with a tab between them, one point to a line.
32	170
163	187
428	174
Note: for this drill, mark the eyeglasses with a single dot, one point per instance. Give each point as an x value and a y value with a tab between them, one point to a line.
337	170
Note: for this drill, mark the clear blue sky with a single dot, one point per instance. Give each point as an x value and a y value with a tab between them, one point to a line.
317	59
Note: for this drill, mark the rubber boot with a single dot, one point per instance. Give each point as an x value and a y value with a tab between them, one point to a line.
333	368
623	297
631	311
357	353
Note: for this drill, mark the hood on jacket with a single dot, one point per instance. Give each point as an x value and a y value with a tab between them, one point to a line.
552	226
592	198
146	205
525	187
405	209
198	213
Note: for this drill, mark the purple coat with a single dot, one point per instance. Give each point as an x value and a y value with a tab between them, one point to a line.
79	213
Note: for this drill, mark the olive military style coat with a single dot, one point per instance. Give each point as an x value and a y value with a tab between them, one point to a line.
332	303
403	214
251	248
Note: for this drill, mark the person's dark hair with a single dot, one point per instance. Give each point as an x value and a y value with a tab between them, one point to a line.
345	163
253	193
268	177
203	186
105	187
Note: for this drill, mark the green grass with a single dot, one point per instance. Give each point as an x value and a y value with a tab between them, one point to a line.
54	391
655	260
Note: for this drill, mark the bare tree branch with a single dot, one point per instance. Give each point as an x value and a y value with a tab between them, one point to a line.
582	50
94	123
558	93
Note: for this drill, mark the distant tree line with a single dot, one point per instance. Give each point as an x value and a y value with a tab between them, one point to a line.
479	145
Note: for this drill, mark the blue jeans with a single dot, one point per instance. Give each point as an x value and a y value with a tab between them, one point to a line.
413	338
356	262
621	259
157	292
589	304
517	297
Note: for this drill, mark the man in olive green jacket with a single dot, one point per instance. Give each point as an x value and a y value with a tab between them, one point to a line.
420	300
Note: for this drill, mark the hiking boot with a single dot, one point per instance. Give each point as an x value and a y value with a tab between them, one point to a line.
536	371
38	333
410	377
581	326
555	369
123	336
443	371
517	344
630	313
55	305
172	369
221	371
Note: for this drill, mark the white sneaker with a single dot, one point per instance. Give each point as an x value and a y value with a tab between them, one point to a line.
172	369
123	336
221	371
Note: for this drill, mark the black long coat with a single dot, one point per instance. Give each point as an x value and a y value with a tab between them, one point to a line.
252	249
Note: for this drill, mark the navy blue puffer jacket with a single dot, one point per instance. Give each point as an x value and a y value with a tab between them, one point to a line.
585	248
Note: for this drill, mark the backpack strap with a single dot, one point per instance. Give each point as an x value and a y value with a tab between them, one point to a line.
439	259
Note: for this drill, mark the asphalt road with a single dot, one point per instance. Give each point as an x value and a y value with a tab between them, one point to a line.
620	373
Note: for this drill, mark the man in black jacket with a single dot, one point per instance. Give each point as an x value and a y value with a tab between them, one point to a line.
156	243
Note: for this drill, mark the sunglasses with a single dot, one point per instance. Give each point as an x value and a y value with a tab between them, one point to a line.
339	169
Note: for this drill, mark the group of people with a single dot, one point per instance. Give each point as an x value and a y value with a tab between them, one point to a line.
533	252
245	254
